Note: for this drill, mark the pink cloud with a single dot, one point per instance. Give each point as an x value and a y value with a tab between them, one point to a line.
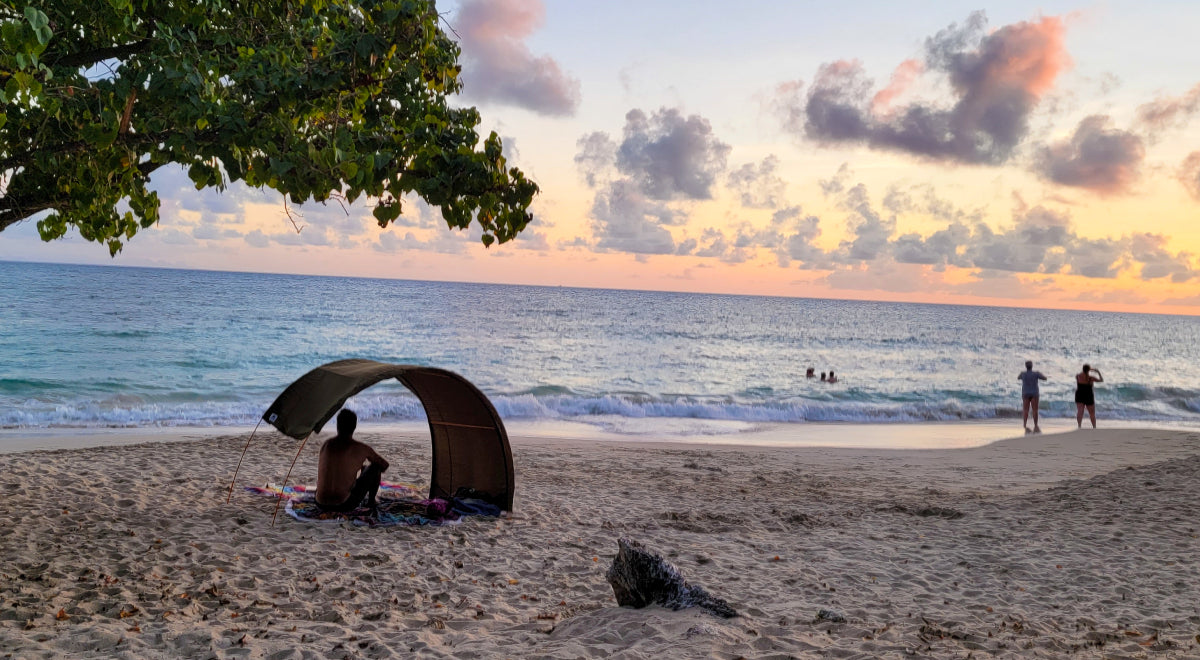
902	78
997	79
1026	56
499	67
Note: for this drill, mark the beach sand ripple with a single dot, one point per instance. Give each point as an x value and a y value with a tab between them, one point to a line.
1082	544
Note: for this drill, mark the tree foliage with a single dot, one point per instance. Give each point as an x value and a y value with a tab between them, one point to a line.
312	98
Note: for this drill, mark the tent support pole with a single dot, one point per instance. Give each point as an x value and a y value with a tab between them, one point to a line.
464	426
288	476
239	465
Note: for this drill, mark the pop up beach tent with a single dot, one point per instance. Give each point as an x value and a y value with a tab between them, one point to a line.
471	455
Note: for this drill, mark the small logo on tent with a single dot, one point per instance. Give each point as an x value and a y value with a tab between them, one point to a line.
272	418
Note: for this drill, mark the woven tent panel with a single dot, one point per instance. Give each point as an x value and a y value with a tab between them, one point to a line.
470	445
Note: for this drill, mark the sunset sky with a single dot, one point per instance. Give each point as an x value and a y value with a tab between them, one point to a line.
1018	154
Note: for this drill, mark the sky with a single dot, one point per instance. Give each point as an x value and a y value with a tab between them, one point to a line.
1017	154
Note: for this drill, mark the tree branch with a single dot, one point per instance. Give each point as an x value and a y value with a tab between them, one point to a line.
15	208
88	57
128	114
17	212
77	146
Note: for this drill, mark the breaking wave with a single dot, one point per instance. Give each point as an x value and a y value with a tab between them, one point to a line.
1130	403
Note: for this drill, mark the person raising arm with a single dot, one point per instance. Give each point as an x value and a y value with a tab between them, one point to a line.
1085	395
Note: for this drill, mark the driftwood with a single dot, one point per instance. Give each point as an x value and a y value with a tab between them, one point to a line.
640	577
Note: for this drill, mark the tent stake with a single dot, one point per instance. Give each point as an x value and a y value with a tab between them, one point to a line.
285	479
239	465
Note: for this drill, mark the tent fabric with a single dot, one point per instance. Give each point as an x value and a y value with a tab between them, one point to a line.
471	454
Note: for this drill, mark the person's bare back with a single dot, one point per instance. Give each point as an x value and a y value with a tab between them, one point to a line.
341	459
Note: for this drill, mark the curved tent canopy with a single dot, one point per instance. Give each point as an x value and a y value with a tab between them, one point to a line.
471	456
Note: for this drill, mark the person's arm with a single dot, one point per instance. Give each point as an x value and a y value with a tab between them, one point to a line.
1042	376
376	459
1099	378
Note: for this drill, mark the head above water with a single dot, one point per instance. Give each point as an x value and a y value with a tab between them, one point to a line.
346	422
1029	364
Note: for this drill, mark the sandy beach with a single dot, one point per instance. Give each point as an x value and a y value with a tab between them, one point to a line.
1080	544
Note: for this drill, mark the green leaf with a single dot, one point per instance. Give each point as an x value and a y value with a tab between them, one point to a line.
386	212
199	174
99	135
10	32
366	45
281	167
35	17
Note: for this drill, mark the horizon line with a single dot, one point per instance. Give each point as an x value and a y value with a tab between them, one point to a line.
597	288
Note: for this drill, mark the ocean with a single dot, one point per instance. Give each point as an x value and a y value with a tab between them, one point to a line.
119	347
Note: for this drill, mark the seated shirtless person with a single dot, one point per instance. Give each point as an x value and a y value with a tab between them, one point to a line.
342	479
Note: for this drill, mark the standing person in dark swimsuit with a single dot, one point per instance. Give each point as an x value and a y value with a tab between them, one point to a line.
1085	395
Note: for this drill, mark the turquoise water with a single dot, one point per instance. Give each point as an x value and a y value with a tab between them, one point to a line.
88	346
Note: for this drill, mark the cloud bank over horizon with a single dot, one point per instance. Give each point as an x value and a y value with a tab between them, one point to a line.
664	159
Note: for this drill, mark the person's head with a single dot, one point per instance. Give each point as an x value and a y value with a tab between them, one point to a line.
1087	368
822	375
1029	364
831	373
346	422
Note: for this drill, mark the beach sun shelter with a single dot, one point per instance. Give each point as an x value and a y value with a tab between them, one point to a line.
471	455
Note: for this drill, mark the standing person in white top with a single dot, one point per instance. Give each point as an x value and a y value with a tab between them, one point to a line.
1029	395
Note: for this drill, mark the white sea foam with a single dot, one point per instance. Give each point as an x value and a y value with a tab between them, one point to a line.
614	413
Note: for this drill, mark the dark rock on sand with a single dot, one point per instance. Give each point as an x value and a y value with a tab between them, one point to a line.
640	577
831	616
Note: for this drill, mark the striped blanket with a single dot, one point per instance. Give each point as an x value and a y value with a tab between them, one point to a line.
399	504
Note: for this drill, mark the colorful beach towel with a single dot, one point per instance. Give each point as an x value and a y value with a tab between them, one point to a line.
390	489
399	504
